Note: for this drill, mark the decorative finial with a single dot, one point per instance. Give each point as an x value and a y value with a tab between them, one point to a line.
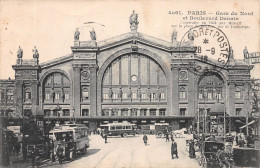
133	20
93	34
76	35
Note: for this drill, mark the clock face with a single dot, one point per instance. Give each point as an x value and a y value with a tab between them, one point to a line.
134	78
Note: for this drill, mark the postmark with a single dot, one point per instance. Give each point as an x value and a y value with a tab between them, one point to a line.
212	47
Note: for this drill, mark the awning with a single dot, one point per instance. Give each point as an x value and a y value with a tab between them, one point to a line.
251	122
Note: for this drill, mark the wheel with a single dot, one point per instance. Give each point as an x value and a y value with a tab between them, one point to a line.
159	134
125	135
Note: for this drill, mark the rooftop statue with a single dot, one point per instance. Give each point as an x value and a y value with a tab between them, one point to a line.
20	53
35	53
245	51
133	18
93	34
174	35
190	36
76	35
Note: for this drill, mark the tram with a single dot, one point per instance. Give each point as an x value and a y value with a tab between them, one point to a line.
73	138
119	129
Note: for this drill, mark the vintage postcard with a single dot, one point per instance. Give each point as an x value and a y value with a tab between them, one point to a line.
137	84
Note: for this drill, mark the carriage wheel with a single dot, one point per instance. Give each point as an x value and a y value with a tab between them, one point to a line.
125	135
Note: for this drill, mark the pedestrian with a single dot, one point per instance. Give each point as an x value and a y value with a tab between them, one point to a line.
145	139
191	149
105	137
17	148
59	152
174	149
34	155
172	136
167	137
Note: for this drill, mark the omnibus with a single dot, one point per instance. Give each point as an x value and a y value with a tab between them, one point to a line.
73	138
119	129
161	129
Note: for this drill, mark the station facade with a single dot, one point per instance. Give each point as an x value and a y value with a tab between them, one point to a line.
132	77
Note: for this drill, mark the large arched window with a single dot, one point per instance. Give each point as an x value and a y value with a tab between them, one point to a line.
134	77
210	86
56	88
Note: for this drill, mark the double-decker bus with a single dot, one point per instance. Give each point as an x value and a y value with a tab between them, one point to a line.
119	129
73	138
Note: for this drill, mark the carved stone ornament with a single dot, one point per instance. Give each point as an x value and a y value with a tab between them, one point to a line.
183	75
85	75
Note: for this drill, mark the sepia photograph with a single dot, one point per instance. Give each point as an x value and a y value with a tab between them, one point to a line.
129	84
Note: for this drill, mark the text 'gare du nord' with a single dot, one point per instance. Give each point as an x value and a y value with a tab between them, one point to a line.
132	77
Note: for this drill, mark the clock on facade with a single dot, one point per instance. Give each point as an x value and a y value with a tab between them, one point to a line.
134	78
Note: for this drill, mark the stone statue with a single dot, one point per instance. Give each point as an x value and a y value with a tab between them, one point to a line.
148	93
231	55
93	34
76	35
120	93
174	35
130	93
133	20
35	53
20	53
158	94
245	51
190	36
110	93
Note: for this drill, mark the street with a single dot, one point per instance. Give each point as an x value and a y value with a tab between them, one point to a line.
131	153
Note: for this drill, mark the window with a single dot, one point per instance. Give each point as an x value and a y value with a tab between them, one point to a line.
143	96
85	94
162	96
219	96
66	112
200	96
105	112
209	95
114	112
85	112
238	111
133	112
47	112
182	111
182	93
47	96
105	96
143	112
2	96
119	127
124	96
55	113
153	112
57	96
27	95
39	123
67	96
133	95
115	96
124	112
237	94
153	96
162	112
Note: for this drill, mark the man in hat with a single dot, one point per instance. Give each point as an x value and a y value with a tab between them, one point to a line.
145	139
174	149
59	152
34	154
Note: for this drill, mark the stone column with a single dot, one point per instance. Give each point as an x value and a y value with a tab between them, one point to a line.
93	90
157	112
76	89
230	99
138	112
19	96
191	94
175	90
129	112
148	112
119	112
34	94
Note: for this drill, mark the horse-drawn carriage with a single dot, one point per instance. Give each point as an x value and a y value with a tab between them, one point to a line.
209	154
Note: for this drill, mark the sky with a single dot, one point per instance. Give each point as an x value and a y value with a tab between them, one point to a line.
50	25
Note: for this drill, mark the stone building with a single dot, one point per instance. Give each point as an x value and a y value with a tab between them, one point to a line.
132	77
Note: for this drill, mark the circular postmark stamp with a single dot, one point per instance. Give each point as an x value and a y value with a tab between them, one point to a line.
212	47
